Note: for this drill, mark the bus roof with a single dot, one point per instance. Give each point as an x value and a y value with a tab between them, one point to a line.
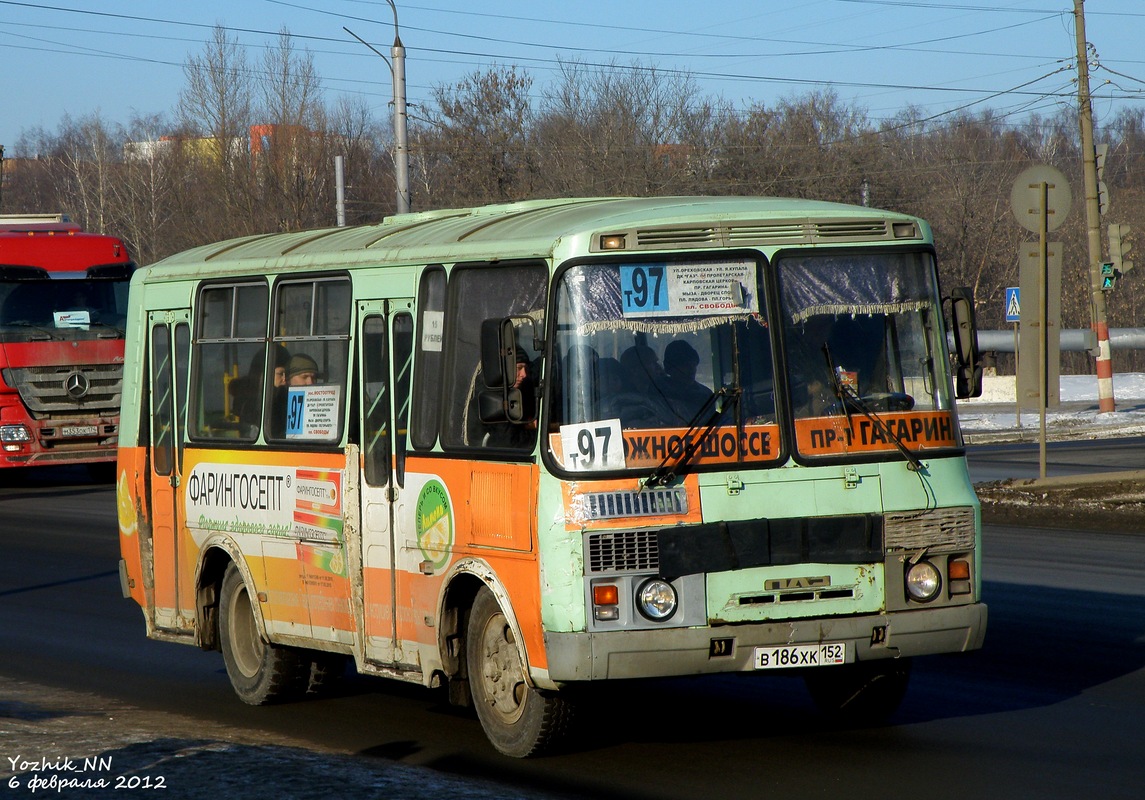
538	227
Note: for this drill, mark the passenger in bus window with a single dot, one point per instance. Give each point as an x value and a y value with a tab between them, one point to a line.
281	361
641	367
302	371
518	435
641	402
685	394
246	392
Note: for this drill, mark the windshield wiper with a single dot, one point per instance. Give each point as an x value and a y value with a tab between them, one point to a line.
25	324
664	474
849	397
115	331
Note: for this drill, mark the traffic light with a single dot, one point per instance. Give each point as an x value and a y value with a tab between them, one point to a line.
1119	248
1109	277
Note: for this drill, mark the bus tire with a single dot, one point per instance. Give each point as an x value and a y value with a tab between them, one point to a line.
863	692
260	672
518	719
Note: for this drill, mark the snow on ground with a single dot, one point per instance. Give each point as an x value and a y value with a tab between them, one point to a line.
994	411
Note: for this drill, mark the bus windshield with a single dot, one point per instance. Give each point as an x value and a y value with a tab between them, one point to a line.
661	361
865	352
55	308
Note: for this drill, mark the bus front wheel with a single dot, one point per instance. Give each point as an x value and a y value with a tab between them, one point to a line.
518	719
260	672
863	692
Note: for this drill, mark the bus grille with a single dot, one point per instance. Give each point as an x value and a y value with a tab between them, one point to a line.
44	390
623	551
937	529
775	233
943	529
635	503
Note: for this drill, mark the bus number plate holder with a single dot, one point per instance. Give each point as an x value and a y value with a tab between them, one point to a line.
826	654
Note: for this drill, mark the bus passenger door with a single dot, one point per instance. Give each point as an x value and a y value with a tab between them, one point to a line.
169	345
385	350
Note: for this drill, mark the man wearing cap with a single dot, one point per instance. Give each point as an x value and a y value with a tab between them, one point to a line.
302	370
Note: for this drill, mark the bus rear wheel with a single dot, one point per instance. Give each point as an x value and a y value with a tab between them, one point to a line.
518	719
863	692
260	672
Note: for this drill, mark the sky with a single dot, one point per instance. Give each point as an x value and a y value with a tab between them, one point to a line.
124	58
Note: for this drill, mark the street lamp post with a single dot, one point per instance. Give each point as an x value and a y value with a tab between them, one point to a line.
401	143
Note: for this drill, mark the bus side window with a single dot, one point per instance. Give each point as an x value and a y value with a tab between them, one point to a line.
479	292
229	337
430	349
376	402
312	321
403	372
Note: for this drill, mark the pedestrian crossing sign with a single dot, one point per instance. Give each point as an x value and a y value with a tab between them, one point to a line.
1013	305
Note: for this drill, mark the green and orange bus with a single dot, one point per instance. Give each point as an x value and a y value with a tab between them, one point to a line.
518	449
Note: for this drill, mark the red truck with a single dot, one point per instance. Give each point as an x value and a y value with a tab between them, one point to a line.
63	305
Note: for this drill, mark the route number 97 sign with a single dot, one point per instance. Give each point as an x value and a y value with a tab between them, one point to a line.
593	446
674	290
312	412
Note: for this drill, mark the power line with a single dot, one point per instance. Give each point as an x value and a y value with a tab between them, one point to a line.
456	56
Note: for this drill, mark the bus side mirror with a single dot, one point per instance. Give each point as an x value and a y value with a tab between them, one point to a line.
967	363
498	352
501	402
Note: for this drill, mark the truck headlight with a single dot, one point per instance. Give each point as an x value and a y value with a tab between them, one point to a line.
656	599
14	433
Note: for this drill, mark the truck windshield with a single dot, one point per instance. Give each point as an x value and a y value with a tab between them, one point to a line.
661	360
62	308
864	335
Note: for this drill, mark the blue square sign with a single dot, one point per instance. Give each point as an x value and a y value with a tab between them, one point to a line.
1013	304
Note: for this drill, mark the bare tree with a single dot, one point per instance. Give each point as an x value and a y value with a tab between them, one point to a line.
144	192
217	104
292	150
369	169
617	130
481	127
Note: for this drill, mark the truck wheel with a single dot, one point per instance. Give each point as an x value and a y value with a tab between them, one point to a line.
863	692
518	719
260	672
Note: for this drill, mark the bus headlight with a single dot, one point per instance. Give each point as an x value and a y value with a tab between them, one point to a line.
14	433
656	599
922	582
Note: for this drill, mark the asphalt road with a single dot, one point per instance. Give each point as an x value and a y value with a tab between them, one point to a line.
1051	707
994	462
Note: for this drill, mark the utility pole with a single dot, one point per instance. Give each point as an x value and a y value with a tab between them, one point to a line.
1105	398
401	143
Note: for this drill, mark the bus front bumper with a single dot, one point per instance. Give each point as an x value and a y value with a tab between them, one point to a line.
731	648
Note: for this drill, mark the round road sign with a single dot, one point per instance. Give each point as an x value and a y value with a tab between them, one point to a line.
1026	197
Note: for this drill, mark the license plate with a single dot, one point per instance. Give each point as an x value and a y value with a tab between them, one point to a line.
828	654
80	430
